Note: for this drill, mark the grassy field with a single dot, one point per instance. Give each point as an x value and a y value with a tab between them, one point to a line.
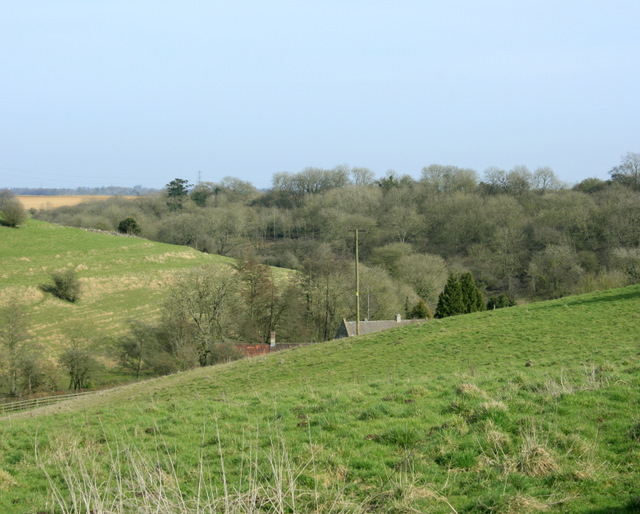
51	202
121	278
526	409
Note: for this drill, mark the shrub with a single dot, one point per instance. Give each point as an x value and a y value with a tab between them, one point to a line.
420	311
129	226
223	352
66	285
5	196
500	301
13	213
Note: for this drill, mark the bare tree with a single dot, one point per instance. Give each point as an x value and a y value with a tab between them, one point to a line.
14	334
628	172
204	300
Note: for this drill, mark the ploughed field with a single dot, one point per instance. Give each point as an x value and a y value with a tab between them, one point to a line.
530	408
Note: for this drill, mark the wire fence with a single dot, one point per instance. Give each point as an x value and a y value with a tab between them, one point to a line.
33	403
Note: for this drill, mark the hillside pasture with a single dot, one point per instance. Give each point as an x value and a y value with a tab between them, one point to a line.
526	409
121	278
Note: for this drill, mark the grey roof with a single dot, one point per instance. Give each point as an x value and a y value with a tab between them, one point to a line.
369	327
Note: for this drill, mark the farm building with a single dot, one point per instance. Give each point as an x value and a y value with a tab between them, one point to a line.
348	328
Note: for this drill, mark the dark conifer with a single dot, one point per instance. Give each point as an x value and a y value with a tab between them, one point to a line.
420	311
471	295
450	300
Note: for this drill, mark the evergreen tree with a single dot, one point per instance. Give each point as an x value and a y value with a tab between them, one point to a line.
450	300
177	191
420	311
471	295
129	226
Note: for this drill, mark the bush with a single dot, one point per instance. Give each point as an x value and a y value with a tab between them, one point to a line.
223	352
5	196
129	226
13	213
80	365
500	301
420	311
66	286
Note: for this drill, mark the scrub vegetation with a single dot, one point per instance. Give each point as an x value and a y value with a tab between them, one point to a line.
523	409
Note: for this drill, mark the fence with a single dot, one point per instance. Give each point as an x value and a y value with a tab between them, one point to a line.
6	408
248	350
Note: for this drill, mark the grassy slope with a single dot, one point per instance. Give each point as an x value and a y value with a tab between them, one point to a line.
121	278
428	417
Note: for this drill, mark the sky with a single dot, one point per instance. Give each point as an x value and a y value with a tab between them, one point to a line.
139	92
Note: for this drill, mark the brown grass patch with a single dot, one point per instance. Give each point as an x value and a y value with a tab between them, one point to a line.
536	461
470	390
98	287
19	294
523	503
171	255
6	480
494	406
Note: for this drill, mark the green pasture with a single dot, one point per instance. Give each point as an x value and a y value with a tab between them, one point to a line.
122	278
526	409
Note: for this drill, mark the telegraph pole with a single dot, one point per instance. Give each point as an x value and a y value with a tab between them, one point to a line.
357	286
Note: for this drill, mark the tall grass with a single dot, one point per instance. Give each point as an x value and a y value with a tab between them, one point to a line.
269	481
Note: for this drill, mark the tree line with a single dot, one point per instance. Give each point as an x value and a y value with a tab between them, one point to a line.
96	191
521	233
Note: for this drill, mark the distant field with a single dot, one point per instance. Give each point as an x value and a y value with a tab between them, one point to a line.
51	202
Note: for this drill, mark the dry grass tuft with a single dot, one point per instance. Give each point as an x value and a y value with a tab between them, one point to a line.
470	390
520	503
497	441
457	424
6	480
536	461
494	406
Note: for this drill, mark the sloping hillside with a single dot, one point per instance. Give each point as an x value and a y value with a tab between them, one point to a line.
517	410
121	278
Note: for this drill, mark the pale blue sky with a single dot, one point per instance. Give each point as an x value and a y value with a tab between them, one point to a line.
115	92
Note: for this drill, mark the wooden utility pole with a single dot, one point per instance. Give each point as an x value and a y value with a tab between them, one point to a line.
357	286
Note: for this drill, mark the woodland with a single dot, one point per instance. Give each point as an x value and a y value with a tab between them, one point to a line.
523	234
